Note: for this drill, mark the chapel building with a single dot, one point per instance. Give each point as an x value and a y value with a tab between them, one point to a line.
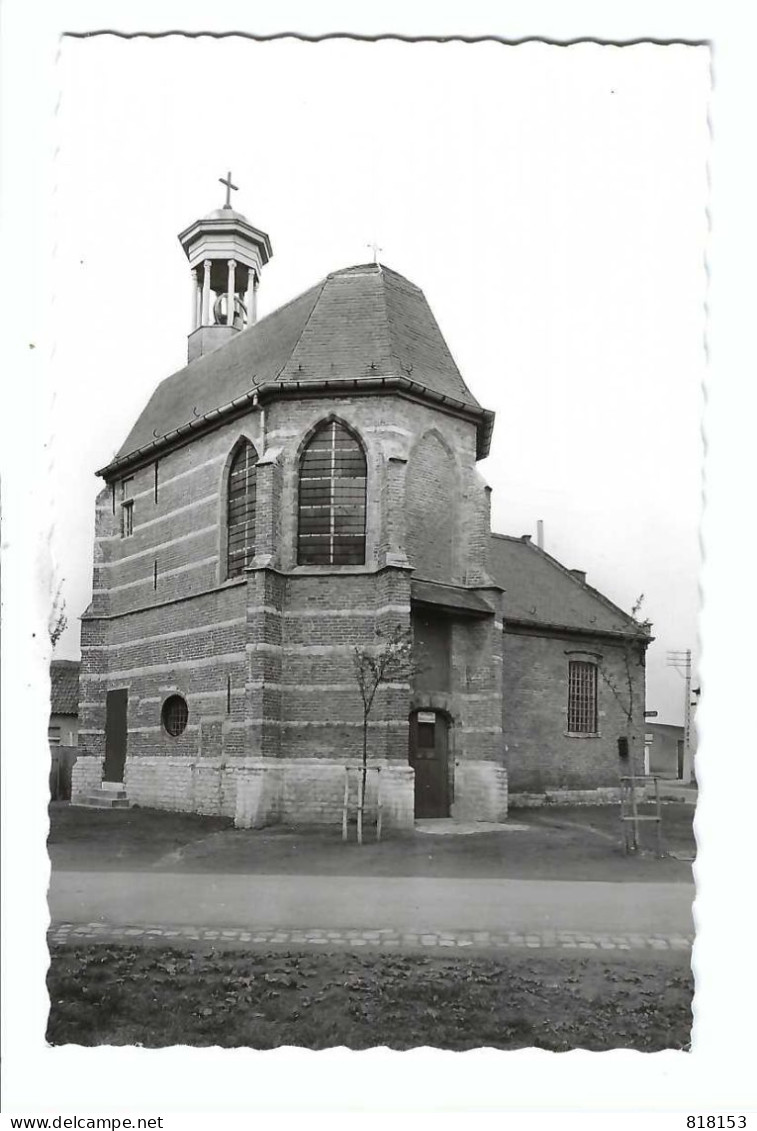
307	485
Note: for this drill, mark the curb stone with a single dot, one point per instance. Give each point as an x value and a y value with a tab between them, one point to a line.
387	938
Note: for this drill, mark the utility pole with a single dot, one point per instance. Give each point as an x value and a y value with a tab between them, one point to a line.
681	661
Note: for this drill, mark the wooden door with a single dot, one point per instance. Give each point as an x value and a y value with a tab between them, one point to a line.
115	734
429	758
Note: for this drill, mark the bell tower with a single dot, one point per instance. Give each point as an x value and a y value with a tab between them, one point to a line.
226	255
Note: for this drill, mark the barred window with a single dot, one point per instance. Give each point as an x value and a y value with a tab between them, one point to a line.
582	697
175	715
240	515
332	499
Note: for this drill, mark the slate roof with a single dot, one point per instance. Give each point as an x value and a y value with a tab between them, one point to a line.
360	324
539	590
64	687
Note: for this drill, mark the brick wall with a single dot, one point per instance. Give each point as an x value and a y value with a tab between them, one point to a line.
195	648
459	673
314	791
186	784
258	792
265	662
540	754
86	775
432	646
179	527
603	795
180	524
432	509
480	791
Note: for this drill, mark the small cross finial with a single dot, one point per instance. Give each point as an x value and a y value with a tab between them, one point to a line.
375	249
229	186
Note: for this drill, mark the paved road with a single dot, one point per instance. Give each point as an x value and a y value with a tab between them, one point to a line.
341	902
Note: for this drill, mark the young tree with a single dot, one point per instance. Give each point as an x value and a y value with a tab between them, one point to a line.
58	621
389	660
628	695
625	686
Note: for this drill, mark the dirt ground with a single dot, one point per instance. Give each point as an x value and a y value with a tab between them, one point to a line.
578	843
124	995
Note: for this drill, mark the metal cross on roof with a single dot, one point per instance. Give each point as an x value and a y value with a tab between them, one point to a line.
375	249
229	186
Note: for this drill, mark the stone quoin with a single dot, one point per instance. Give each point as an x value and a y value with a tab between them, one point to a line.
307	485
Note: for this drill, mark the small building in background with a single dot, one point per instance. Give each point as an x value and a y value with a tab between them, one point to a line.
63	728
663	743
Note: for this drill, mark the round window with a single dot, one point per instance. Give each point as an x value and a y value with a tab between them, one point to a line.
175	714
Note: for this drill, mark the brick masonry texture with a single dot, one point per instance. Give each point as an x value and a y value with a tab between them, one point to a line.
265	661
285	789
609	795
541	756
86	776
481	788
433	539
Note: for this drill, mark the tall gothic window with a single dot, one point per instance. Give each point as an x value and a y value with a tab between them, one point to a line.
240	515
332	499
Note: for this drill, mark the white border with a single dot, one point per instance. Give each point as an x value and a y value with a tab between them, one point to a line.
719	1074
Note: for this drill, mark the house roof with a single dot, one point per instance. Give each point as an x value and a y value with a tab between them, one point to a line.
64	687
362	324
541	591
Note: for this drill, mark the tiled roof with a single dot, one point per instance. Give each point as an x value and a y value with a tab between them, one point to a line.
541	591
64	687
361	323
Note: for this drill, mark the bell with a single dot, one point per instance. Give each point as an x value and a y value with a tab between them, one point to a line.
220	314
219	311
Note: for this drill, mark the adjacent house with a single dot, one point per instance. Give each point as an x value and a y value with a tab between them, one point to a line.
664	744
62	730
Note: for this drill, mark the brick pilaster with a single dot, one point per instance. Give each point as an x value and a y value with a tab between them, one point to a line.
265	593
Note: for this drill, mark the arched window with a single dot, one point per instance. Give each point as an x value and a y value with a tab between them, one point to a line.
240	514
332	499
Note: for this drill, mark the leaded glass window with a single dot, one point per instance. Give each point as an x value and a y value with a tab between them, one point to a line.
332	499
240	517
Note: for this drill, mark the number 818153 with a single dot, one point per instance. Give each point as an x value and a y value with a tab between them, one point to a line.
718	1121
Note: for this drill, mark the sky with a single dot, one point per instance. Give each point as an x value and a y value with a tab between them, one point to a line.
551	203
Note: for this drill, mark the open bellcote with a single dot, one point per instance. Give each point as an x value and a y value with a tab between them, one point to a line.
226	256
